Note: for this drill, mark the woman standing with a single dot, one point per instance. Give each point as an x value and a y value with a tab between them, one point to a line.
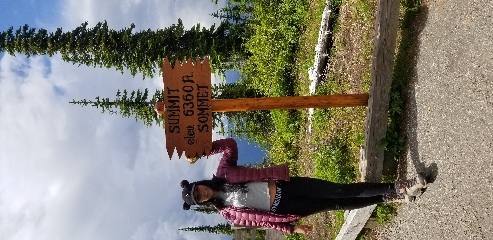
269	198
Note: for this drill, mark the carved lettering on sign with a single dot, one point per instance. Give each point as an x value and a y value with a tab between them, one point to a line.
188	114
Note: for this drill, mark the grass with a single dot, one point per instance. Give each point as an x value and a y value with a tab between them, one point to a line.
270	69
331	152
282	49
339	132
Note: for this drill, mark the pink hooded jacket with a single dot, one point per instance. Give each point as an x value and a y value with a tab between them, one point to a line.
229	170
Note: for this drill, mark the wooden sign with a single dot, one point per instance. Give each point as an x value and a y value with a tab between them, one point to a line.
187	107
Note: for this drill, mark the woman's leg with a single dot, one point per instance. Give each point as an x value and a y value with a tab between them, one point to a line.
308	206
305	196
304	187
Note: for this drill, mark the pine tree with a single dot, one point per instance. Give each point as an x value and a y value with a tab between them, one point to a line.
140	52
245	124
139	105
134	104
236	11
237	16
222	228
206	209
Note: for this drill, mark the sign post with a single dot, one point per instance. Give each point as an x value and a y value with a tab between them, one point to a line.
188	106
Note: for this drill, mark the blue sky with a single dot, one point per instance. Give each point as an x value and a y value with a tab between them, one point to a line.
68	172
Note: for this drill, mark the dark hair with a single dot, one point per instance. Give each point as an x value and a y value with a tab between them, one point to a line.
216	184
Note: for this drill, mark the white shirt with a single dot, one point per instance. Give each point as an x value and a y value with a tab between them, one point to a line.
257	197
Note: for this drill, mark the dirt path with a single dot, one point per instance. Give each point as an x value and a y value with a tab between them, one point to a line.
450	125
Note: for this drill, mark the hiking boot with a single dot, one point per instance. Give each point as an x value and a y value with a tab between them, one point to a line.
398	198
411	187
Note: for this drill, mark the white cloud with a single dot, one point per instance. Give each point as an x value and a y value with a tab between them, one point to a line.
144	13
67	169
68	172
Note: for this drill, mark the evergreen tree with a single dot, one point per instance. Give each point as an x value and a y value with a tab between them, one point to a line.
222	228
236	11
245	124
141	105
234	90
140	52
236	15
206	209
134	104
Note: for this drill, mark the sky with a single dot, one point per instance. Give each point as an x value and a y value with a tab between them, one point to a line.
68	172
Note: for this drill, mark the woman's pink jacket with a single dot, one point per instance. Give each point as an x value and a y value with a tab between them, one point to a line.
229	170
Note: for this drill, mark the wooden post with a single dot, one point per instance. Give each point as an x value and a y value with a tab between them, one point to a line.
159	108
269	103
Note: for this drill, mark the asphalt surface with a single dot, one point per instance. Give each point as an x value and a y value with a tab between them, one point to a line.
450	125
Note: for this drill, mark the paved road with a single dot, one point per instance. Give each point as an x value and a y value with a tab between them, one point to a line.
450	125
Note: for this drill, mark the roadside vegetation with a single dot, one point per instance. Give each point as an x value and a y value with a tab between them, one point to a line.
284	35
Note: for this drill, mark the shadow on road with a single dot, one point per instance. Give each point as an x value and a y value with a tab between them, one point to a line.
412	23
411	115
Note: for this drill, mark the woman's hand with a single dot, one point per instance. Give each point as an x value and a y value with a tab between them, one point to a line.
303	229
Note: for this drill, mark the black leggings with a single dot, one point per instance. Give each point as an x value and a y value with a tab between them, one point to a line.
305	196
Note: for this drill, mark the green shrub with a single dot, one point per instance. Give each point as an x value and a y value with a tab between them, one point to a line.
333	163
385	212
294	236
276	28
